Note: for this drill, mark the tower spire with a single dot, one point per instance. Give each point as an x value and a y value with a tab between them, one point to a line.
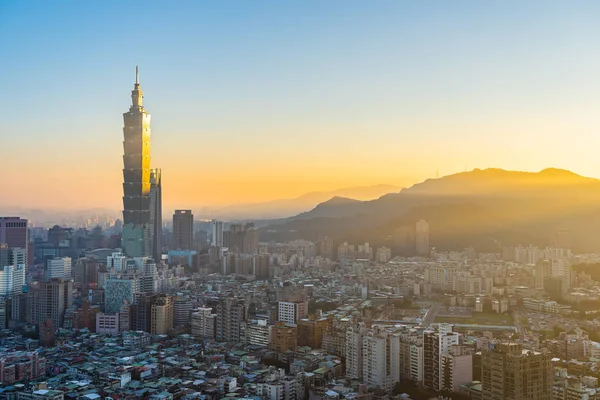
137	80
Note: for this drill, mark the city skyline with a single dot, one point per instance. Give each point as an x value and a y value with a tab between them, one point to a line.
307	93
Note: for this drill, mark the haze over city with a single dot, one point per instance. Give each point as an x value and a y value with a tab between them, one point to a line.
258	101
316	200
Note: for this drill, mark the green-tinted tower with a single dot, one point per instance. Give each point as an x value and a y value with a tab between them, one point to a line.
137	227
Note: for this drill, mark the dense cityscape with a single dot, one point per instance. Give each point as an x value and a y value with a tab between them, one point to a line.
141	307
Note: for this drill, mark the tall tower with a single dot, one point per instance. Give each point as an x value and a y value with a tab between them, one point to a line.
183	230
156	213
137	229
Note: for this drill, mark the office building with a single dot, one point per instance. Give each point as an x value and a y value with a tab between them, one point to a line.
156	213
161	321
12	255
116	261
85	273
58	267
119	291
182	310
183	230
217	233
510	372
107	324
137	230
12	280
204	323
422	238
49	301
15	234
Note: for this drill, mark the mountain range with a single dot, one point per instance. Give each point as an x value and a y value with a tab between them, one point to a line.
286	207
480	208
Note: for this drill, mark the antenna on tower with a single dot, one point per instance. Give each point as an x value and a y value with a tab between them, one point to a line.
137	81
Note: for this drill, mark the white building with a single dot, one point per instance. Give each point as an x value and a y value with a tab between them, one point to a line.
291	312
416	362
203	323
58	268
116	261
12	279
381	359
107	323
217	234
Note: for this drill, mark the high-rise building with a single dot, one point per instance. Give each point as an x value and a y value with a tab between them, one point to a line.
12	280
49	301
436	343
156	213
510	372
290	312
457	368
422	238
203	323
381	359
182	310
85	273
183	230
118	292
231	312
217	233
137	229
12	255
58	267
283	337
14	233
161	315
311	331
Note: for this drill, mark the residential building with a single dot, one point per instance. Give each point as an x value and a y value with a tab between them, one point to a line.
291	312
510	372
283	337
204	323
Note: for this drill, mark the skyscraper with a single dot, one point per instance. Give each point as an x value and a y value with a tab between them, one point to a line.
156	213
183	229
137	229
14	233
217	233
422	238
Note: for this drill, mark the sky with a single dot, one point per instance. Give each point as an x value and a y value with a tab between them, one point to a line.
260	100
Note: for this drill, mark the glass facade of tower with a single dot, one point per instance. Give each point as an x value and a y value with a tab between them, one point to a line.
156	212
137	228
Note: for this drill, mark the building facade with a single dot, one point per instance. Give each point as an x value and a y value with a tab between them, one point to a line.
137	229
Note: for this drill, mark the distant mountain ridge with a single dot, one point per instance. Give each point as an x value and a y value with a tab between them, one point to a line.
476	208
288	207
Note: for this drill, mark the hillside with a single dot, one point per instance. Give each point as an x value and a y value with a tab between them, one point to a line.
481	208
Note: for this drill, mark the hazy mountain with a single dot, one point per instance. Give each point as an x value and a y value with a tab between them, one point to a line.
287	207
479	208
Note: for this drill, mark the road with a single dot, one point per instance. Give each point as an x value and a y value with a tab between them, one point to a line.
431	314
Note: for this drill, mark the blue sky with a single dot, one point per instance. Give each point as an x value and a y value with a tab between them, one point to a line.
279	98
